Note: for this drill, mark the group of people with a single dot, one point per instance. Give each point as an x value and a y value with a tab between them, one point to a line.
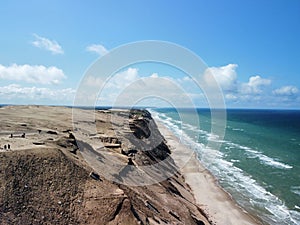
6	147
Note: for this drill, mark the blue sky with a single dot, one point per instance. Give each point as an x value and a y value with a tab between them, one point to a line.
252	47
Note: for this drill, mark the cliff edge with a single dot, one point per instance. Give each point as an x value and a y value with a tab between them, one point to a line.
54	173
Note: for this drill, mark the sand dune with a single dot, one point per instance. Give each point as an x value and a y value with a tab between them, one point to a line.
67	171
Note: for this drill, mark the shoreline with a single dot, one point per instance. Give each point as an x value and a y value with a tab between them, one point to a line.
218	204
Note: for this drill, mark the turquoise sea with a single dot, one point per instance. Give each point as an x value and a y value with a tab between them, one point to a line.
257	161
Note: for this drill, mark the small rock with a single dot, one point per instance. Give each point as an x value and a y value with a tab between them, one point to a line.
119	192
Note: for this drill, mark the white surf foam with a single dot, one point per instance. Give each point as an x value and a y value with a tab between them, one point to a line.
234	160
214	138
237	129
266	160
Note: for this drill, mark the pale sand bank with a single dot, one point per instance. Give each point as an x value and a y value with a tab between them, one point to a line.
217	204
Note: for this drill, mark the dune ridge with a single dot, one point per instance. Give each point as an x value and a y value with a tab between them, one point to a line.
50	174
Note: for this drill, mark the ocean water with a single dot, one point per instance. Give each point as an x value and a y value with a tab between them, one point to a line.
257	162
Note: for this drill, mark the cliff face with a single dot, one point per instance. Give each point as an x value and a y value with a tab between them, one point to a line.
46	178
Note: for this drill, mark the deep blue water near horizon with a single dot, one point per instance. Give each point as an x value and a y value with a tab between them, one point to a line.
258	161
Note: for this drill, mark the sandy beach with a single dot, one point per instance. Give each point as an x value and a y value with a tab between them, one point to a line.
216	203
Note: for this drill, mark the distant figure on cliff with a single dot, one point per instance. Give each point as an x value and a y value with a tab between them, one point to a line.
130	162
4	147
23	135
8	146
11	135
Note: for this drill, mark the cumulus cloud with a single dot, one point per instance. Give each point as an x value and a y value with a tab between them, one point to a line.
93	81
49	45
231	97
107	88
123	79
234	91
129	87
32	73
15	92
154	75
99	49
186	78
147	88
286	91
225	76
254	85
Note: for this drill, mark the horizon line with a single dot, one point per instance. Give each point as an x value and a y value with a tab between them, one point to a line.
152	107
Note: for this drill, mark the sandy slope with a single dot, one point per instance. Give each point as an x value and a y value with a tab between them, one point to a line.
45	177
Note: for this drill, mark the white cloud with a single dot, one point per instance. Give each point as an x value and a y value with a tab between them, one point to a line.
122	79
231	97
93	81
32	73
254	85
107	88
154	75
16	92
99	49
286	91
235	92
154	88
129	86
49	45
186	78
225	76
